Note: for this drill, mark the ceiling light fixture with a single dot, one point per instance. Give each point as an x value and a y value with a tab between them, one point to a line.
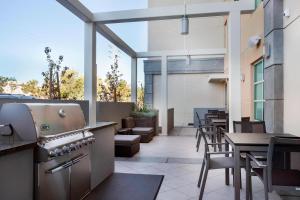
184	23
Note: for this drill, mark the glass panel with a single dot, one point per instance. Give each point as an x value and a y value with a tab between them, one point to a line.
259	110
257	3
258	72
259	91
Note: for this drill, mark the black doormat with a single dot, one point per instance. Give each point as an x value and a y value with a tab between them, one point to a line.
121	186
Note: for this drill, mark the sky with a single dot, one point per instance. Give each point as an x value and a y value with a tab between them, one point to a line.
27	27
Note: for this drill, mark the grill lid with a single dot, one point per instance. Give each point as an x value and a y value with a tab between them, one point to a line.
35	120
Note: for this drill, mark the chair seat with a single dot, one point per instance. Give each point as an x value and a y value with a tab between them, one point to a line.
282	177
224	162
127	140
142	130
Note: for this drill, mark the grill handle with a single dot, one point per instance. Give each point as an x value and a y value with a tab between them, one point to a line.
6	130
59	168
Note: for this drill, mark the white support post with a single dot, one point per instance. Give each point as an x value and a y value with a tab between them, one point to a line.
164	95
234	59
134	80
90	70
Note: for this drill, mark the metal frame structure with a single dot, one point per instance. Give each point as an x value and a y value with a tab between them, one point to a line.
95	22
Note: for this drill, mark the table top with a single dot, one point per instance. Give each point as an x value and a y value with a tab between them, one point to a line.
253	139
218	120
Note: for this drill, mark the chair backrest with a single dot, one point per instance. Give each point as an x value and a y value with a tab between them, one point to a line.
205	140
283	145
222	114
245	119
249	127
128	122
213	111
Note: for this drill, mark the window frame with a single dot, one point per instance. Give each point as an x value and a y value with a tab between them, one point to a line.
255	83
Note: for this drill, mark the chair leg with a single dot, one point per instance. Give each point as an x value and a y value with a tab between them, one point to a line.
227	176
203	183
266	190
248	180
201	173
198	142
197	133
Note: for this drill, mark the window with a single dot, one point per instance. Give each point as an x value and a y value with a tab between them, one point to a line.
257	3
259	90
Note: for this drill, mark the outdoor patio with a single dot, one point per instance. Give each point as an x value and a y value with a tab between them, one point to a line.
176	158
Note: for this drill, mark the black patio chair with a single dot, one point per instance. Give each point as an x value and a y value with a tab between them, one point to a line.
213	111
286	182
211	162
206	129
249	127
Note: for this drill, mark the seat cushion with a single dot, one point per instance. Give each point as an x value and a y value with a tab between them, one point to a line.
282	177
142	130
127	139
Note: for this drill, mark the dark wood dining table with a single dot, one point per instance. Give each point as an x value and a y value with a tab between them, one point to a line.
246	142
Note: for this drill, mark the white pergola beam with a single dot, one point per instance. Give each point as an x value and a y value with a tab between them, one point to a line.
164	95
134	80
90	70
194	52
115	39
174	12
78	9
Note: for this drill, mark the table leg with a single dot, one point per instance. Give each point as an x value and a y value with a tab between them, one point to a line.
237	173
226	170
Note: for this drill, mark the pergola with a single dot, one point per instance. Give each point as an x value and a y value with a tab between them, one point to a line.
96	22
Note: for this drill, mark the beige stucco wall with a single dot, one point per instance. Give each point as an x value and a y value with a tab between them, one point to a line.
165	35
251	25
292	68
189	91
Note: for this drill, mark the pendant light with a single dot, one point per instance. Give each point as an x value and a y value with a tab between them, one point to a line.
184	23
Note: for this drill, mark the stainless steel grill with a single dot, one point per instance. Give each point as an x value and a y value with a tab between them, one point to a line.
63	161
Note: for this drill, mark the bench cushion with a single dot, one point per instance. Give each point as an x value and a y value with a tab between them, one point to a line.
142	130
127	139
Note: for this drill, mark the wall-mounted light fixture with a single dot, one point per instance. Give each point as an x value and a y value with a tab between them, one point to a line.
254	41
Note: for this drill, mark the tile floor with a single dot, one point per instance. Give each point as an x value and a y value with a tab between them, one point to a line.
175	158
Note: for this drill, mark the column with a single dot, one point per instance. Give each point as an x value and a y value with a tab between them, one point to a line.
273	66
134	80
164	95
234	71
90	70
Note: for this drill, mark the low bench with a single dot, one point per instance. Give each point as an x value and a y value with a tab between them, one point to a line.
127	145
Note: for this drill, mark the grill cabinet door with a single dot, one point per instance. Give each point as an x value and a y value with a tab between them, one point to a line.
80	177
54	182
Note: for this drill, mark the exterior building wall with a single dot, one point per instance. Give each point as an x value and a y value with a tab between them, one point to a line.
291	68
188	88
251	25
189	91
165	34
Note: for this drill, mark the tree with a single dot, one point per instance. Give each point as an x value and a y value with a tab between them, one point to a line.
140	97
72	85
4	81
113	88
31	87
51	85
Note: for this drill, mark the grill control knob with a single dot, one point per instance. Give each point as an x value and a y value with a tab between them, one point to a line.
58	152
66	149
52	154
72	147
78	145
85	142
